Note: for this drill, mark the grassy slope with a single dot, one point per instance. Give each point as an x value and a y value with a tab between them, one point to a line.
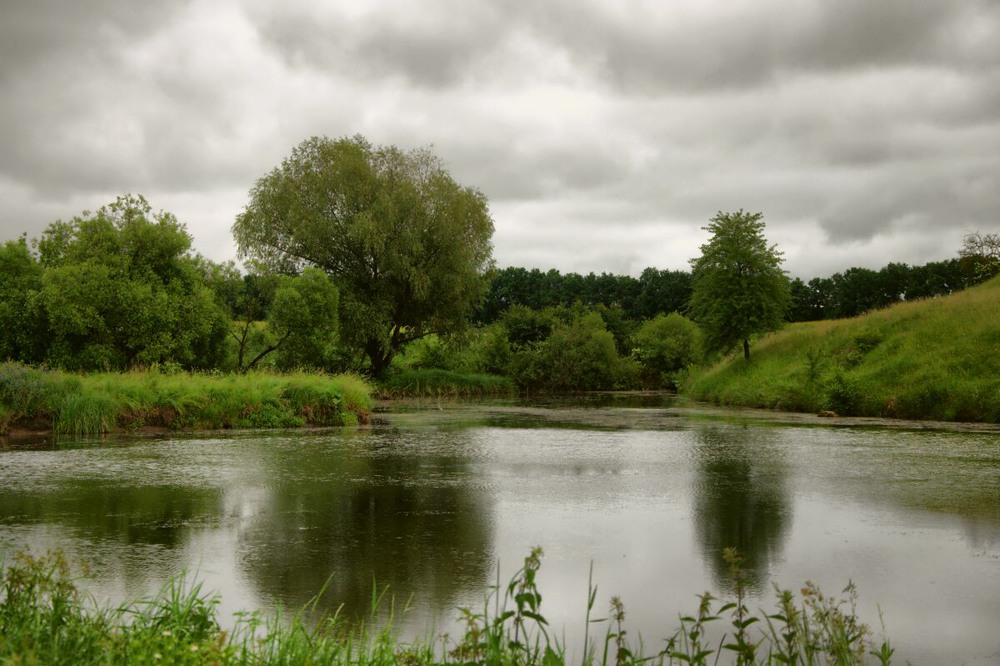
931	359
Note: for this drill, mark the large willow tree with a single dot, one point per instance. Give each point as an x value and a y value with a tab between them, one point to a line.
738	287
405	244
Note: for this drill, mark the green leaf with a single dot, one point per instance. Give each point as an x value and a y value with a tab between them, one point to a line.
536	617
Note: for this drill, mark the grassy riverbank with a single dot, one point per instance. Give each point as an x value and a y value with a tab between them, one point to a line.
45	619
111	402
933	359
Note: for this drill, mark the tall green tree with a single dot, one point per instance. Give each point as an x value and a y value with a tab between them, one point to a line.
406	246
662	292
738	287
21	337
120	288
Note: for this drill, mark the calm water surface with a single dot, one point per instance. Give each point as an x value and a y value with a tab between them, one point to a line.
428	501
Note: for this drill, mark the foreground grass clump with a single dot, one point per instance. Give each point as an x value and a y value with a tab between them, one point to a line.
433	382
45	619
108	402
932	359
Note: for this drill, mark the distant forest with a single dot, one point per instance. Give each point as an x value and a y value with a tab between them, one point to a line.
847	294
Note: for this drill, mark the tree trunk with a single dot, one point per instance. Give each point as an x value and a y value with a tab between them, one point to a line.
379	356
746	349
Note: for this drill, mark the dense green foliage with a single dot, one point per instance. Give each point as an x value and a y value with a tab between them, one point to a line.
110	291
109	402
859	290
392	274
738	288
844	294
929	359
292	317
551	350
45	619
22	329
654	292
666	346
579	354
405	244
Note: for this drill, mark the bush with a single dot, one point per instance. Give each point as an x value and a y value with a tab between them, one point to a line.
664	346
843	394
492	352
429	352
22	389
580	356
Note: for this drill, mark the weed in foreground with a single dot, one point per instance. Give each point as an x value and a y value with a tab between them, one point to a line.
44	619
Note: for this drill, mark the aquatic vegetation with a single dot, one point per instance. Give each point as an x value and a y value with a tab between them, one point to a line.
100	403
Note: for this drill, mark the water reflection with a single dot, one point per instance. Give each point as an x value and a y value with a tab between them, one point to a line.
103	510
386	511
650	496
741	500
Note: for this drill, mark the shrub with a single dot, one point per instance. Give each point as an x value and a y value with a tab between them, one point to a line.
843	394
664	346
22	391
580	356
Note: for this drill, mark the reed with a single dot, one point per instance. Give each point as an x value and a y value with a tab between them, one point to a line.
108	402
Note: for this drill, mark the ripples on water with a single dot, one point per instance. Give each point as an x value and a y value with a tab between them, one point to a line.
430	500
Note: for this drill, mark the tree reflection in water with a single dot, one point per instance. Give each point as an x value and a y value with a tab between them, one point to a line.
741	500
386	510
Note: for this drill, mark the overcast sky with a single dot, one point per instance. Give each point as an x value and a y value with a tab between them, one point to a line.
605	133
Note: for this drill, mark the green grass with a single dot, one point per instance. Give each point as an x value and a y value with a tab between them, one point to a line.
45	619
444	383
111	402
936	359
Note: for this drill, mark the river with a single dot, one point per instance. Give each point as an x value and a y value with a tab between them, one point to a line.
429	499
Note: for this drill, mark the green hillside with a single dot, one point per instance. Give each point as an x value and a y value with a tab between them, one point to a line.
937	359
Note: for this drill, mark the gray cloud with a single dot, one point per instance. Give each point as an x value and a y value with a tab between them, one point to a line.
431	44
605	134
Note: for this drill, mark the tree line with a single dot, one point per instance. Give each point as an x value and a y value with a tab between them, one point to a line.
844	294
370	258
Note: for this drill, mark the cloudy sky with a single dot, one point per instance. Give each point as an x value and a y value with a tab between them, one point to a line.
605	133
